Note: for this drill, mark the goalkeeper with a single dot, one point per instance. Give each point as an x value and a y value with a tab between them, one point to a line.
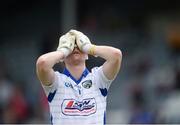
78	96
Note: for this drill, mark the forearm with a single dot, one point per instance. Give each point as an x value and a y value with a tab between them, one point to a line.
108	53
44	66
113	57
48	60
45	63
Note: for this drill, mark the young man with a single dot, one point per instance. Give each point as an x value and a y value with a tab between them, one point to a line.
78	96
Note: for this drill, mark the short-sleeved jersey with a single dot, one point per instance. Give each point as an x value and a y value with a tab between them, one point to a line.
80	101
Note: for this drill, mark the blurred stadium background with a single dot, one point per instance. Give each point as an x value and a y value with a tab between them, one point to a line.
147	89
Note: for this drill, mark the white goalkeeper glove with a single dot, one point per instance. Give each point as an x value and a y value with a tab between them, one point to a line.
83	42
66	44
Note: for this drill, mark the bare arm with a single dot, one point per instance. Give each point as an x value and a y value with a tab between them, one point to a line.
45	63
44	66
113	57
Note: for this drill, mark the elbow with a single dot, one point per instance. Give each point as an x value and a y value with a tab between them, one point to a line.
41	63
117	54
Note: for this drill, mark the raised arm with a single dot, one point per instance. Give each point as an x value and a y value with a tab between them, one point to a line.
44	66
113	56
45	63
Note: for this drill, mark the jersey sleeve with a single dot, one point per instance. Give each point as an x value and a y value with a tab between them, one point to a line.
101	80
53	87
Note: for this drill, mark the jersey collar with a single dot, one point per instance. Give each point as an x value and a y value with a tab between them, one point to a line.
84	74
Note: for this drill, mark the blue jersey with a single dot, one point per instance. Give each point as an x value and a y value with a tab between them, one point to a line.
80	101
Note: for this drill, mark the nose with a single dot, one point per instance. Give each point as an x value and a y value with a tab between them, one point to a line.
77	49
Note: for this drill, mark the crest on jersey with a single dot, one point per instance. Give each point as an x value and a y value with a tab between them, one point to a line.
68	85
87	84
73	107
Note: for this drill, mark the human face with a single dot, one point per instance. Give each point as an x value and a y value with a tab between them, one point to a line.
76	56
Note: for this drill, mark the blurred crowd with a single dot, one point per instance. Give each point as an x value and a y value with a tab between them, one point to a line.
155	91
155	94
15	103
